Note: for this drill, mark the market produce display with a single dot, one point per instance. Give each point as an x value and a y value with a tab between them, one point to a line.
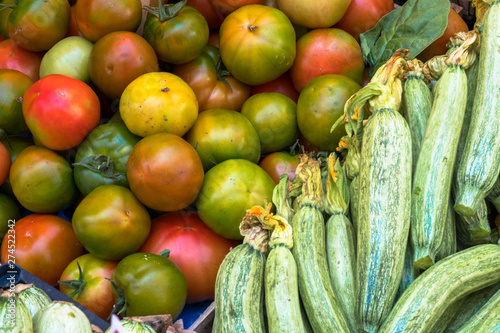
306	166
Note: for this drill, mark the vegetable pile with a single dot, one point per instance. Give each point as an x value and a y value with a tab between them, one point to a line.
325	166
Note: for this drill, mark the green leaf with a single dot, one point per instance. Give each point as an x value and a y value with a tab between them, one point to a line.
414	26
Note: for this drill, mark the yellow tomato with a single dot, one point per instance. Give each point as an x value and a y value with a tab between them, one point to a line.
158	102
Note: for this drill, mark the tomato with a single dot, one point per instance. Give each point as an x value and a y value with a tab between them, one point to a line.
42	180
279	163
213	38
5	162
158	102
176	32
228	6
438	47
220	134
274	116
257	44
44	245
164	172
70	56
102	158
213	85
9	212
111	223
73	28
194	248
326	51
15	57
308	146
320	104
36	25
96	18
213	16
151	284
283	85
314	14
14	144
229	189
4	16
362	15
91	288
13	85
60	111
117	59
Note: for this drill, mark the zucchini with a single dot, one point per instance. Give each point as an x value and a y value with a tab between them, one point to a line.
416	105
487	319
494	195
476	229
480	165
308	225
340	252
410	272
454	277
448	316
449	242
239	286
434	170
281	277
384	191
472	304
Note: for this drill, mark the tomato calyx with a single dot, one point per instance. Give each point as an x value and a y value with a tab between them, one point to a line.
121	304
222	73
76	285
166	12
102	164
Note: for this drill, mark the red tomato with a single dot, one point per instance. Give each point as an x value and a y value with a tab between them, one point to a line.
362	15
60	111
42	244
278	163
438	47
282	85
96	294
5	162
194	248
165	172
15	57
227	6
213	16
326	51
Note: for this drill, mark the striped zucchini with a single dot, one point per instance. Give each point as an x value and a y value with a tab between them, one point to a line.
416	105
384	191
322	307
448	316
340	252
454	277
494	195
480	165
239	286
472	304
487	319
476	229
449	242
434	170
410	272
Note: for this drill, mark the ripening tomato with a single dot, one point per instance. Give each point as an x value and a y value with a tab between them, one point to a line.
314	14
257	43
4	17
14	144
362	15
228	6
96	18
213	16
283	85
42	244
5	162
13	85
194	248
326	51
165	172
73	28
15	57
279	163
60	111
117	59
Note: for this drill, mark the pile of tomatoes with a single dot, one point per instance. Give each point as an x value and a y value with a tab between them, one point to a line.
152	128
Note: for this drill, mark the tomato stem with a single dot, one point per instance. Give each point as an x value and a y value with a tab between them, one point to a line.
166	12
76	285
252	28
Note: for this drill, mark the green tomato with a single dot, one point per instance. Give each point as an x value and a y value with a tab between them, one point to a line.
70	57
14	144
13	85
9	211
151	285
102	157
229	189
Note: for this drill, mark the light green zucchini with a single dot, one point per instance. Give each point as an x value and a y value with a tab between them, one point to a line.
472	304
434	170
416	105
494	195
476	229
454	277
309	250
384	191
340	252
239	286
487	319
448	316
449	242
480	165
410	272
